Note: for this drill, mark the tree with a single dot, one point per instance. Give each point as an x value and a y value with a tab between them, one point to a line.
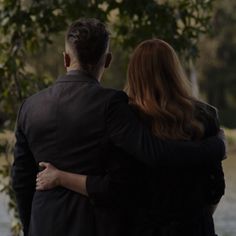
218	62
29	25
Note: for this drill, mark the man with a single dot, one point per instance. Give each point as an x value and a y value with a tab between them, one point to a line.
71	124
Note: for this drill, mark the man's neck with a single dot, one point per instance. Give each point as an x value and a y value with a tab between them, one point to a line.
94	74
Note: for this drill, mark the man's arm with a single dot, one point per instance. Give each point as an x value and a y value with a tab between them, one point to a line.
130	134
124	125
24	171
214	182
214	186
127	132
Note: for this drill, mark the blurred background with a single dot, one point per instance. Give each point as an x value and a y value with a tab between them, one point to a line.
31	45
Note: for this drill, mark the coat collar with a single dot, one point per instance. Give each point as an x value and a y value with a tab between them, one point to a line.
77	76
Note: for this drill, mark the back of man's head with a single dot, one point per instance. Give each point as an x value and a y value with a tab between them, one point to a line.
88	40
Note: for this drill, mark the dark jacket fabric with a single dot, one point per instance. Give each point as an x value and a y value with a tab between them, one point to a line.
163	201
70	125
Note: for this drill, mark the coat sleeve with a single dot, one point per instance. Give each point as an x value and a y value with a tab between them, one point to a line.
24	171
127	132
214	182
100	190
120	186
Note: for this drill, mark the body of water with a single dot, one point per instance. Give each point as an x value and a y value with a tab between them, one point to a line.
4	217
225	215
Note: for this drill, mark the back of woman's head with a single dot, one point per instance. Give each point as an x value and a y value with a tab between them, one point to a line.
158	87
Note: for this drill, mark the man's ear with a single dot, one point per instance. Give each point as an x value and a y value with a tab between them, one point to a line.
67	59
108	60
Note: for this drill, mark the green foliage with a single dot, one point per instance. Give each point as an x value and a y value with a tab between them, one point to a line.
218	62
29	25
177	22
25	28
6	151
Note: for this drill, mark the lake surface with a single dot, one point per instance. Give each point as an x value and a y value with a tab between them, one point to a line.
4	217
225	215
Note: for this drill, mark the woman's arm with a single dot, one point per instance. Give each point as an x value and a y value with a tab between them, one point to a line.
52	177
119	186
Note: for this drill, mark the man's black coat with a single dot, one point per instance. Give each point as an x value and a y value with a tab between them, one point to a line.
70	125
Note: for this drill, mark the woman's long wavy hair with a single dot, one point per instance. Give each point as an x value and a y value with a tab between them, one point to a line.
158	88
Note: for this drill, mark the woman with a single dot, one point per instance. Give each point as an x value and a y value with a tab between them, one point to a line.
173	201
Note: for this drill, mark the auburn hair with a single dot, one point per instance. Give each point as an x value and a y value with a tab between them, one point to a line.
158	87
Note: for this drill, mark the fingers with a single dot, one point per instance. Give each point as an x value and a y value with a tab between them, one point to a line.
221	135
41	187
38	179
46	179
40	184
41	178
44	164
40	174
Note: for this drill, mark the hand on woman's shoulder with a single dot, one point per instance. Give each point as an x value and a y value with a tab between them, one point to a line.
208	108
208	115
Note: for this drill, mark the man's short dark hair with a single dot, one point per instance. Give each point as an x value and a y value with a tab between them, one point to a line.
88	38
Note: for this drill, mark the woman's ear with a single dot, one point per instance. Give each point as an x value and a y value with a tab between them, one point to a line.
67	60
108	60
